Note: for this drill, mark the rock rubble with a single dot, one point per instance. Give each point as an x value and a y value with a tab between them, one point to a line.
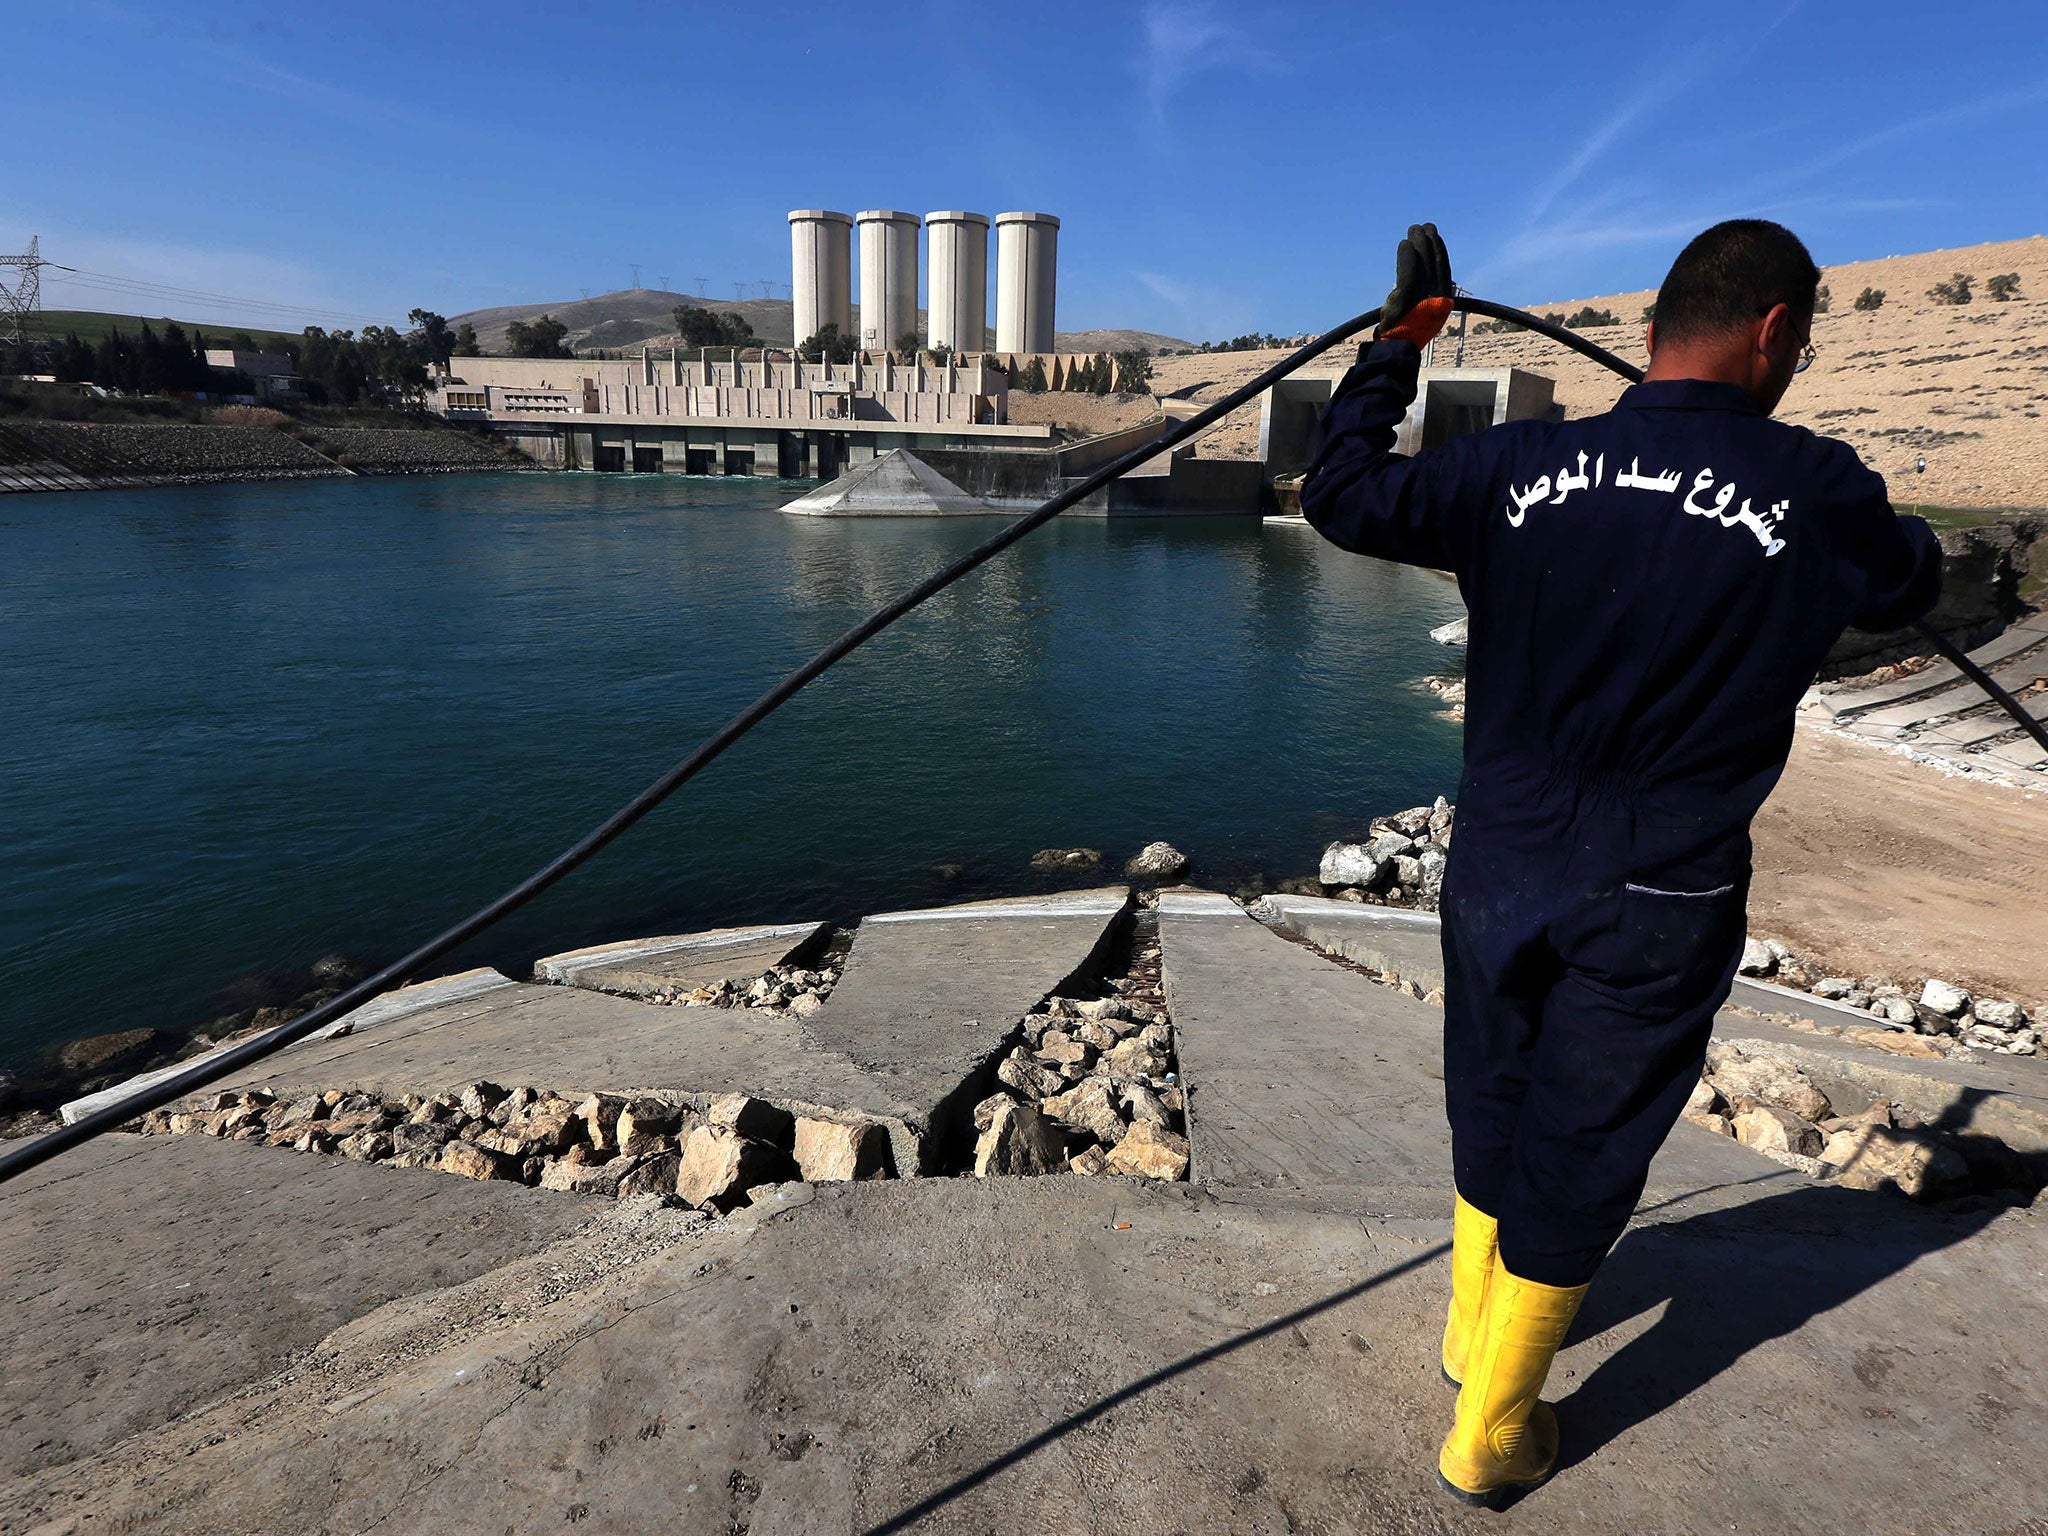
796	989
710	1154
1772	1106
1399	863
1091	1087
1939	1010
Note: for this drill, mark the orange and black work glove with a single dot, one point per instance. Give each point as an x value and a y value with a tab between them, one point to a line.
1420	301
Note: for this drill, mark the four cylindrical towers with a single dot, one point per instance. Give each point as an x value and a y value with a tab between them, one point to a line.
821	271
821	288
888	276
959	285
1027	256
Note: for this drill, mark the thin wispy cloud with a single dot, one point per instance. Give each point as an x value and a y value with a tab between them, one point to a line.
1180	39
1199	312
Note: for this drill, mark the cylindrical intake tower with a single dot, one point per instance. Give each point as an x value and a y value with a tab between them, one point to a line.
820	271
888	277
959	258
1027	255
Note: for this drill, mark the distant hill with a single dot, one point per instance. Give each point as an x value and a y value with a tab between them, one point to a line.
91	326
644	317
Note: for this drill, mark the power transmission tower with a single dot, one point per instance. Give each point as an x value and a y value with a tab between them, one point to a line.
739	291
584	291
664	285
636	272
25	296
700	286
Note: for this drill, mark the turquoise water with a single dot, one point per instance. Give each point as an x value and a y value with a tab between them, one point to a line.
252	725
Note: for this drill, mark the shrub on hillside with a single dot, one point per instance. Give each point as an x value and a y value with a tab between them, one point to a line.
1822	299
1869	299
2004	287
1586	316
1955	291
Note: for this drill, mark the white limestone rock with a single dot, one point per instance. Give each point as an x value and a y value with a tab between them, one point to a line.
1757	959
1348	864
1157	861
1944	998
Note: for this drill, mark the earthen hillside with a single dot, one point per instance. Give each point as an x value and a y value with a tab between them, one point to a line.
1965	385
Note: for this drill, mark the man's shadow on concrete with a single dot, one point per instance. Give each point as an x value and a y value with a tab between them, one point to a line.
1734	1279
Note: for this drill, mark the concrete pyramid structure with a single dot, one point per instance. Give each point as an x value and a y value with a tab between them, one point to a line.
893	484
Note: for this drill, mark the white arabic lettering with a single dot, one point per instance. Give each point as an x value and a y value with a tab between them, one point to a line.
1635	479
1524	500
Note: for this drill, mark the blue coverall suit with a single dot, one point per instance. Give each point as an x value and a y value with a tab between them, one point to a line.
1650	593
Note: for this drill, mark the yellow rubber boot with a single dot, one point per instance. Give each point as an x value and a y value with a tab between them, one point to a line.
1504	1440
1475	1240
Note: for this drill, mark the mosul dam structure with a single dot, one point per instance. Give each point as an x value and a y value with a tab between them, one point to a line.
782	414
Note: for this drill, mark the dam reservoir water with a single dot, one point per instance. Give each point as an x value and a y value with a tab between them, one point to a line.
252	725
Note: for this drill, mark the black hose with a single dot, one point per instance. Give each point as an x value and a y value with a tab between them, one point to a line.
225	1063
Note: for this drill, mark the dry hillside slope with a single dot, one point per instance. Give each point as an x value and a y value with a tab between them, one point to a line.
1965	385
644	317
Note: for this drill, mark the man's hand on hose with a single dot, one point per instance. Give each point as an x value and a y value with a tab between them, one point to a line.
1420	301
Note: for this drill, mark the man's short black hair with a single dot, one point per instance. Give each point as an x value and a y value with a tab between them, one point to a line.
1733	274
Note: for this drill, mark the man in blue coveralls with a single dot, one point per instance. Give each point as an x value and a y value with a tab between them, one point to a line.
1650	593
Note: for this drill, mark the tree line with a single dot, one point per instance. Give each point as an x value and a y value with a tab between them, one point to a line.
333	367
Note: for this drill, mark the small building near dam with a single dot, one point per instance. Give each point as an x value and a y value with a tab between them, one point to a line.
789	418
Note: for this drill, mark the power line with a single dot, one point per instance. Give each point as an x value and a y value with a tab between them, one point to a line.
111	282
25	297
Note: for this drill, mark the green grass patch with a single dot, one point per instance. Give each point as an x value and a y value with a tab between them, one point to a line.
92	327
1961	517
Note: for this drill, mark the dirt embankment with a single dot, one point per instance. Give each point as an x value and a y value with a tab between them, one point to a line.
1964	385
1081	415
1876	864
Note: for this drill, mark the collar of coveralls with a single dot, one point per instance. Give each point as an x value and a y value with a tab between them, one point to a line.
1687	395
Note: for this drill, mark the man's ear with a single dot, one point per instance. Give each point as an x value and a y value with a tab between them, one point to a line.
1776	329
1650	338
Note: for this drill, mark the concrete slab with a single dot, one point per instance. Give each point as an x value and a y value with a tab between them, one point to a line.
930	999
396	1004
1410	943
1312	1083
147	1275
641	967
2014	641
975	1356
1302	1078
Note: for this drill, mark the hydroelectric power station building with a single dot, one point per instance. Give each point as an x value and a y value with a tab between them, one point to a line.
782	415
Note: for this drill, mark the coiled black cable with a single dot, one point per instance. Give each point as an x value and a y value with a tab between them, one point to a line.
225	1063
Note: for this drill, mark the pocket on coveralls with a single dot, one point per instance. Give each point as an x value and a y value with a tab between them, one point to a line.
1673	936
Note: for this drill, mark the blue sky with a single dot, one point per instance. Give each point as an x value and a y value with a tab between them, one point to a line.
1218	167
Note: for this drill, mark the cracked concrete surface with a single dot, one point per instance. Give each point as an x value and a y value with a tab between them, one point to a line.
997	1355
